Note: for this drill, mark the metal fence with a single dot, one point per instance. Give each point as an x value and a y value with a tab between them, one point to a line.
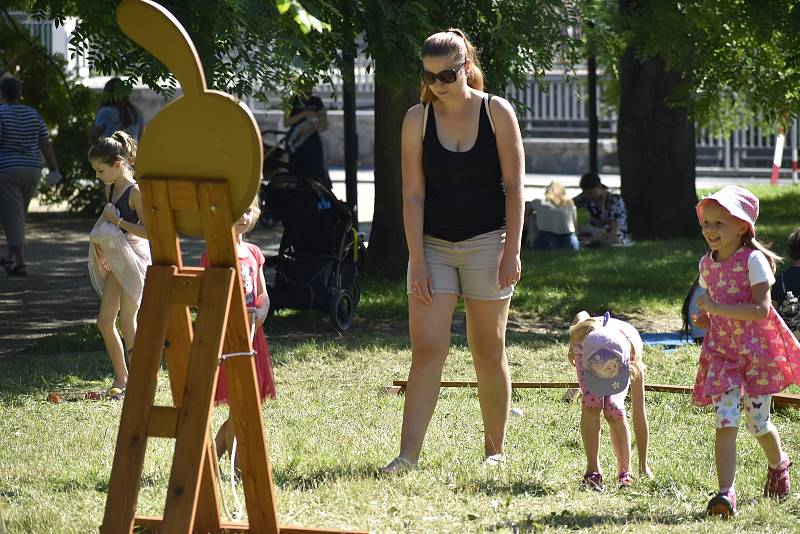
552	107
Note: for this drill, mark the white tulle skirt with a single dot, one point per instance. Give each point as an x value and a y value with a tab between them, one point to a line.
126	256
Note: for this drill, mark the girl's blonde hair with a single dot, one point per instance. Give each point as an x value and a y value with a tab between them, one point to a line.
749	240
119	147
255	210
452	42
557	195
579	331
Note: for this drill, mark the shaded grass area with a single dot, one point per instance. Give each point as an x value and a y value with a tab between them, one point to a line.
332	425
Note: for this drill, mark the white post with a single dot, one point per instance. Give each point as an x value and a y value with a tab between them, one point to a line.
795	133
776	159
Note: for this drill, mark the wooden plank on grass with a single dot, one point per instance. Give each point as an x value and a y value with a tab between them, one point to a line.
781	399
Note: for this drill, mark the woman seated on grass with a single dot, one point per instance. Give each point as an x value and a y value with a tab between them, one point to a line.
554	222
608	217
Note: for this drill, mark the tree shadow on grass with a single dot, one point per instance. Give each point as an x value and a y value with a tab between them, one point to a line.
582	520
288	478
495	486
69	374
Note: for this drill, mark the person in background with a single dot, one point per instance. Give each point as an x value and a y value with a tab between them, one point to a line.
23	141
789	279
690	310
555	218
306	119
116	113
608	217
119	253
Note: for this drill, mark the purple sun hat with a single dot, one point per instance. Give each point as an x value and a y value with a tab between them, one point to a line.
606	361
738	201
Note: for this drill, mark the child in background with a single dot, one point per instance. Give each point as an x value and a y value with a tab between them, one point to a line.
251	262
689	311
119	252
747	347
607	355
789	282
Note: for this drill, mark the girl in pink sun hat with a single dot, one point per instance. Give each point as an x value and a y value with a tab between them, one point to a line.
748	352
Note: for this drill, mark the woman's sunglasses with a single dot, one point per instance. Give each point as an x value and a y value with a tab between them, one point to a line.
446	76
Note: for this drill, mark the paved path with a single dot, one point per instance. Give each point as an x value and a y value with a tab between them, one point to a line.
57	294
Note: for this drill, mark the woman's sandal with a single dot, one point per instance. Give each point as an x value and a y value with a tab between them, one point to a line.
397	466
7	265
17	270
115	393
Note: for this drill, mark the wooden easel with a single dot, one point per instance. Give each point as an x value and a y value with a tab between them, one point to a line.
193	355
203	133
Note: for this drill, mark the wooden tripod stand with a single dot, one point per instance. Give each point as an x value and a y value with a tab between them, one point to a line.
193	355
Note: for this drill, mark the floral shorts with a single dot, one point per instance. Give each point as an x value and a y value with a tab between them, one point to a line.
756	411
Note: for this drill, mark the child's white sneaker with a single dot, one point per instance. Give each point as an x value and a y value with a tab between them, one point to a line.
495	460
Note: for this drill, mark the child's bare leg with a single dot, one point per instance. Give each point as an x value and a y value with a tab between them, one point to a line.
640	426
127	321
219	440
771	443
106	323
725	456
621	441
590	432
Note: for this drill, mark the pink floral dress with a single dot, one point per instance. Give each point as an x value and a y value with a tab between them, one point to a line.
762	357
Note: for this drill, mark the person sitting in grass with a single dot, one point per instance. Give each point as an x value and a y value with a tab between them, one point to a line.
607	355
608	216
554	220
747	347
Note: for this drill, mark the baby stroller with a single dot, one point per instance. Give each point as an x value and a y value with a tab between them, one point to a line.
318	261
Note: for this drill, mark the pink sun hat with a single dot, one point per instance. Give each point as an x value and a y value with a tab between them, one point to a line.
738	201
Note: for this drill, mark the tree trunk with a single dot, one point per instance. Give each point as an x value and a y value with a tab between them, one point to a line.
655	142
388	254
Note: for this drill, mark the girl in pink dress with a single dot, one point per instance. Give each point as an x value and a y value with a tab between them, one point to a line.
748	351
251	261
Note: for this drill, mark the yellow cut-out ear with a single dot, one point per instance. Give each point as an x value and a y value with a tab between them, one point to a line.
203	133
157	31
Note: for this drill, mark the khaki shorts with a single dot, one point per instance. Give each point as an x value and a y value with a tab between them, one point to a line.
467	268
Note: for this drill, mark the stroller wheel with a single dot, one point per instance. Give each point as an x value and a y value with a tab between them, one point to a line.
340	309
356	290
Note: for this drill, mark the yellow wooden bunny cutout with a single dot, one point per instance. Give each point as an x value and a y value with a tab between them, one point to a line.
198	167
203	133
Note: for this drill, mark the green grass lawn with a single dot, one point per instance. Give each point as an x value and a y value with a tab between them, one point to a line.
332	425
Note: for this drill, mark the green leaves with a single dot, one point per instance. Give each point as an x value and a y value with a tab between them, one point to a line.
737	57
303	18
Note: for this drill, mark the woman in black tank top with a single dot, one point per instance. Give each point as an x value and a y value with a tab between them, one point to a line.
463	166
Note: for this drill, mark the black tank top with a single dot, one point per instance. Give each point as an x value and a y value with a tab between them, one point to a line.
123	205
464	195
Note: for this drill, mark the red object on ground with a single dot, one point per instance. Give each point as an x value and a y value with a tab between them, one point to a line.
55	398
92	395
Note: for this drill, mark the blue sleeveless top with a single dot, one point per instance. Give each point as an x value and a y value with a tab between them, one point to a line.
123	205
